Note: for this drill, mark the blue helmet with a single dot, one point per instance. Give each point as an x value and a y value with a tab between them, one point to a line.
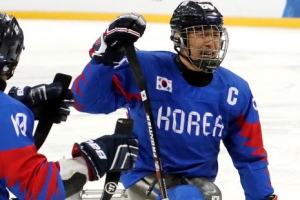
194	16
11	44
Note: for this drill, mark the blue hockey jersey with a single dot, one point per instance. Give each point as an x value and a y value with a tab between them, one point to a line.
190	121
23	171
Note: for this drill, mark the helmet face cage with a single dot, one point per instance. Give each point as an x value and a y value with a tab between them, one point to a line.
193	22
11	44
208	59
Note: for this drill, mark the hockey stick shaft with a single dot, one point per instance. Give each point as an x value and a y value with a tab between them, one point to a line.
124	126
140	80
44	126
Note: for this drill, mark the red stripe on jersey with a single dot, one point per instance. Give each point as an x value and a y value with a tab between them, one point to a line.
254	135
127	95
84	79
78	106
52	187
77	85
30	169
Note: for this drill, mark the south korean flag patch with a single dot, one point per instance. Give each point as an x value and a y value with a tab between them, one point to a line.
163	83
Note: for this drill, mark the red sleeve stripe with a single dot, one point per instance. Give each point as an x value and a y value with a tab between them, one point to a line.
52	185
254	135
77	86
127	95
30	170
78	106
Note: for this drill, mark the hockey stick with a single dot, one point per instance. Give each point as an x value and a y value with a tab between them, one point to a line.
124	127
43	128
140	80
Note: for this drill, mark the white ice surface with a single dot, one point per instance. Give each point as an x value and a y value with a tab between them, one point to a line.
268	58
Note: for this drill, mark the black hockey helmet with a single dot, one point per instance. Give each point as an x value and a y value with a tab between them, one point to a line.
193	16
11	44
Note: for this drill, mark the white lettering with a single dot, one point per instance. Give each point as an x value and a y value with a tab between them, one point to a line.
218	124
210	124
194	123
206	123
110	187
206	6
181	121
254	104
20	92
97	148
101	154
94	145
151	135
160	118
231	100
20	123
89	141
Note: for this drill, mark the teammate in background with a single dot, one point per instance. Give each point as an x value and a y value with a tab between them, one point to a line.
25	172
292	9
196	103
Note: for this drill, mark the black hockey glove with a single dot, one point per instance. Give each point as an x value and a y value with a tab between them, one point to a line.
40	99
109	153
125	29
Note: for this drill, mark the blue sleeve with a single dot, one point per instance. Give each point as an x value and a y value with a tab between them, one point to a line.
27	174
245	146
103	89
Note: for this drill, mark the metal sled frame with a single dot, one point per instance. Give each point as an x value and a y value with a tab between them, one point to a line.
88	194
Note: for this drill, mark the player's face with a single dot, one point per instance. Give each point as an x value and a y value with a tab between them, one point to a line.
203	42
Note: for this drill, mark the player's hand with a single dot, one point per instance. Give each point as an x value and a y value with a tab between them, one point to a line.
113	153
125	29
40	99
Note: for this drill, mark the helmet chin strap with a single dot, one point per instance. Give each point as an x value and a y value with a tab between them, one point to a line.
183	67
195	78
2	85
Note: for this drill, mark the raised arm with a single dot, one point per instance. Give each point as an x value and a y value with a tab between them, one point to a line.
100	87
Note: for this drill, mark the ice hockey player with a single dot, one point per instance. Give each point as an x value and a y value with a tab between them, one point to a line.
196	103
23	171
